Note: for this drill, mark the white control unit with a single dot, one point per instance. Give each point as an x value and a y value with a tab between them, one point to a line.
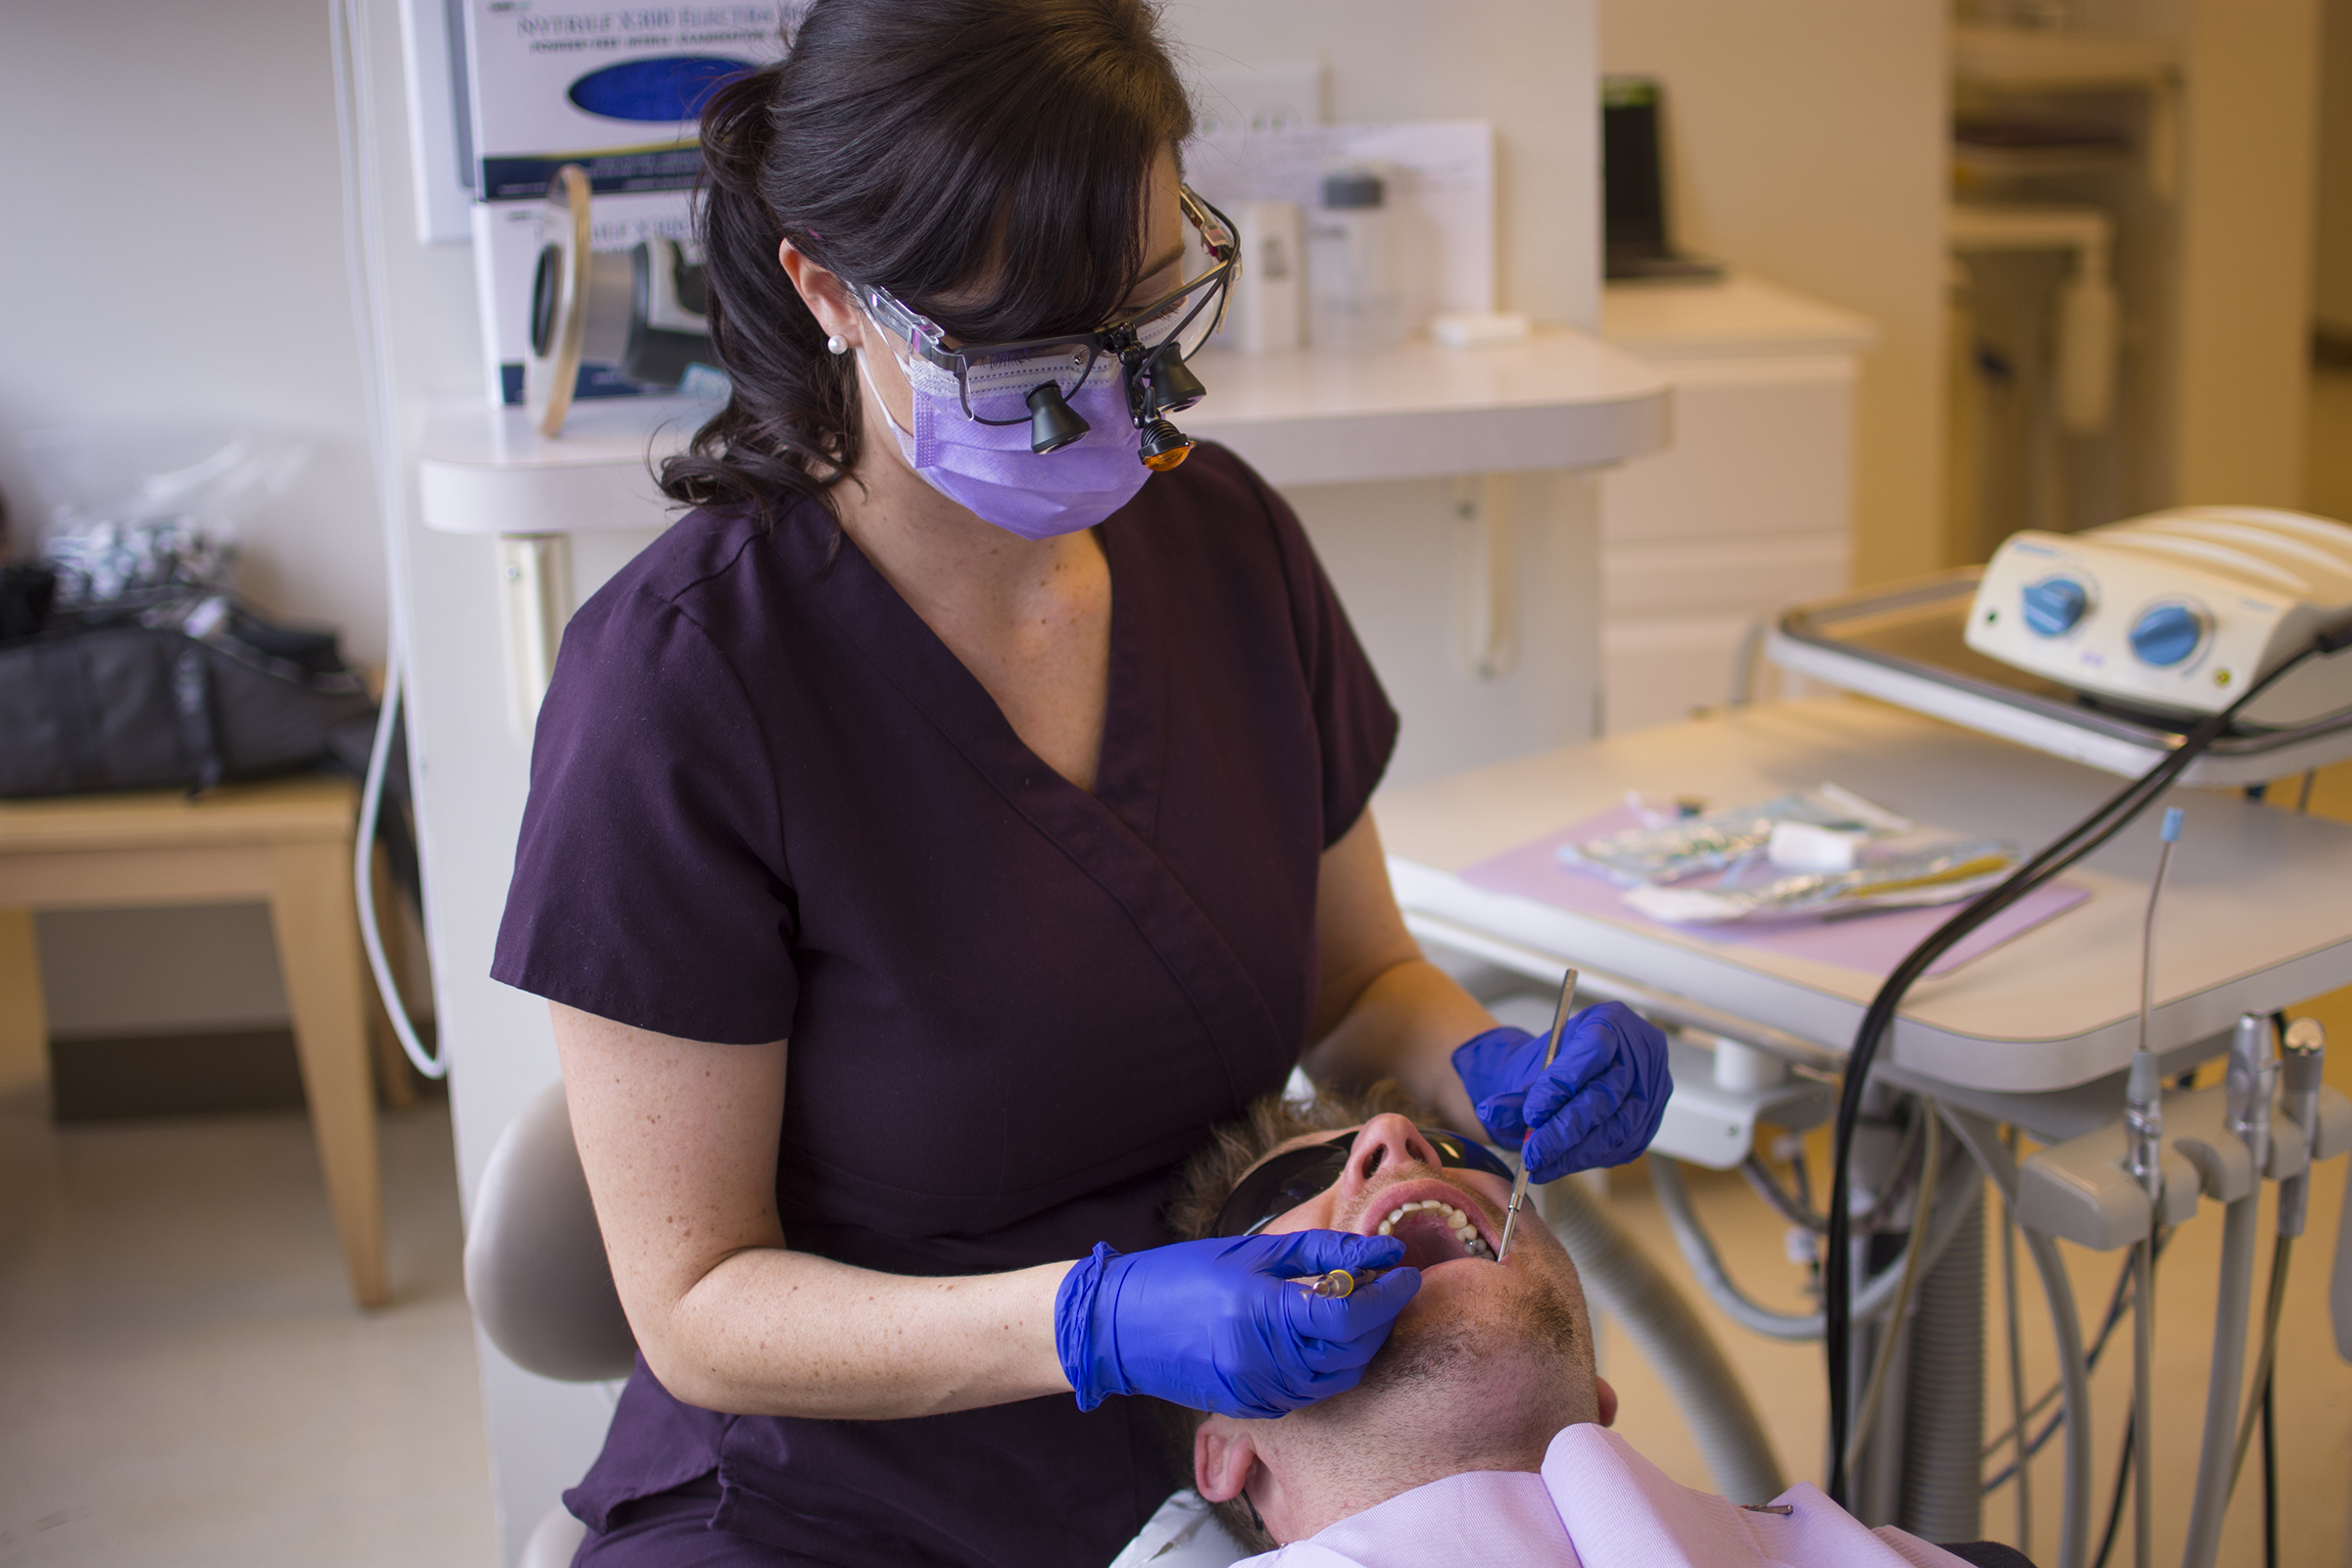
2175	612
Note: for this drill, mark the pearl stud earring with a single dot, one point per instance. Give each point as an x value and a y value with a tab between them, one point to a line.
836	344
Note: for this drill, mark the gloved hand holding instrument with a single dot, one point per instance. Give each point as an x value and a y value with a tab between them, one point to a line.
1223	1324
1243	1326
1598	1104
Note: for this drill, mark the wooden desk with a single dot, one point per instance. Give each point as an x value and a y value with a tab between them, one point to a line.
286	843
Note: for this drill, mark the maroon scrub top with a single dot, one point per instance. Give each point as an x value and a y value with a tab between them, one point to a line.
768	803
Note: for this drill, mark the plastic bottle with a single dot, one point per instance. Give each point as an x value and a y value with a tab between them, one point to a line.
1353	302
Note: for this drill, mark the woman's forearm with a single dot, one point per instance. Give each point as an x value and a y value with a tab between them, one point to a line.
678	1140
774	1332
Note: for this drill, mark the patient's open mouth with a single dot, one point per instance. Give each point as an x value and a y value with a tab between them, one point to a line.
1434	1231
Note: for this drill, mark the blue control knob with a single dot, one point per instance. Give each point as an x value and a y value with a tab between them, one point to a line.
2053	606
2166	634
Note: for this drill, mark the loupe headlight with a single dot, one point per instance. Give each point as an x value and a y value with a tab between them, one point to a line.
1159	384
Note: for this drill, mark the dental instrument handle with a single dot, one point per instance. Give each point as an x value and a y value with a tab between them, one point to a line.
2250	1086
2299	1076
1340	1283
1551	1049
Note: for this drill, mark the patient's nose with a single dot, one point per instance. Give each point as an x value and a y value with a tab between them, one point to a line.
1380	1143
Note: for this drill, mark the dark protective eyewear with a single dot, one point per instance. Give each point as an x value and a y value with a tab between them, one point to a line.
1030	381
1291	1177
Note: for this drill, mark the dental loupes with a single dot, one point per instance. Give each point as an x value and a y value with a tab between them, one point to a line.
1551	1049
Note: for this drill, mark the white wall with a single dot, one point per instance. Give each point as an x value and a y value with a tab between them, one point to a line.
175	251
1526	64
2248	163
1807	145
1530	67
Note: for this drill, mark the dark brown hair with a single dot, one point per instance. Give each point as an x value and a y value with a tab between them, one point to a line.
1209	1178
992	151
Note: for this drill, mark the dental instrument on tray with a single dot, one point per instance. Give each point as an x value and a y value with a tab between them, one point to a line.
1551	1049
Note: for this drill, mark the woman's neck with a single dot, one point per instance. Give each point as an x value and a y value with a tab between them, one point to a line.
1030	618
954	567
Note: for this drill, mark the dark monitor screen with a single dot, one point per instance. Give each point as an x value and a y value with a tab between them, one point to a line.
1633	165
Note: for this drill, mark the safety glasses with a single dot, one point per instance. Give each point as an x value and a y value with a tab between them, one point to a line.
1291	1178
998	383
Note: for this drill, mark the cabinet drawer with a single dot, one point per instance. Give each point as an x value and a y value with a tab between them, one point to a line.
1738	573
1769	452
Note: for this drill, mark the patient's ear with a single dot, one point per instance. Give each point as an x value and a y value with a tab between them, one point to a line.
1223	1455
1607	1399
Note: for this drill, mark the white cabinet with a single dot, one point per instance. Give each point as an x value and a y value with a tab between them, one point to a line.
1752	507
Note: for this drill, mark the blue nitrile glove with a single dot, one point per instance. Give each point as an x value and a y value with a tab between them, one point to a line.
1600	1103
1218	1324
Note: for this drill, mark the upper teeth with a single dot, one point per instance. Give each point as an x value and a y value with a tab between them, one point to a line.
1471	1241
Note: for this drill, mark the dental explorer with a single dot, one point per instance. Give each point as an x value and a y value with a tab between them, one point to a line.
1551	1049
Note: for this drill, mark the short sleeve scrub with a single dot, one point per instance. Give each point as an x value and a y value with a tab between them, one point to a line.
767	803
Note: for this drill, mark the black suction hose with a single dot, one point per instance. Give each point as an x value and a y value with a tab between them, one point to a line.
2083	839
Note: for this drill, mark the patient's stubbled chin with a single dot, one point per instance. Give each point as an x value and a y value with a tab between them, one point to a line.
1479	1374
1490	1359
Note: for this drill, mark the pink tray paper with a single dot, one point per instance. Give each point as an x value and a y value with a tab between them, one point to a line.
1873	942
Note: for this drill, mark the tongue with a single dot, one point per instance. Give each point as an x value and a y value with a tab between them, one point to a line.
1428	1240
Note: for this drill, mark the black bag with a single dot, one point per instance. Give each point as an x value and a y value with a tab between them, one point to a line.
187	692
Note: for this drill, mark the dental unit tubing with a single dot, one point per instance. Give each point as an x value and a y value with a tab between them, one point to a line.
1982	1138
2266	1119
2306	1055
2143	1125
2251	1081
1949	1211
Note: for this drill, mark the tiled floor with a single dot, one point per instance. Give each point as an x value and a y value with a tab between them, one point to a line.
183	1379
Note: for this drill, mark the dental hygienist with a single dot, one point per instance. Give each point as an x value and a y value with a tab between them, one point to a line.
939	830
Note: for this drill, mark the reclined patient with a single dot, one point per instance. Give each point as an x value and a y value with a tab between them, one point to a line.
1478	1436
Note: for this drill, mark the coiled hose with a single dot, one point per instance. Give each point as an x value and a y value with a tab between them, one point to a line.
1943	1402
1634	1290
1982	1138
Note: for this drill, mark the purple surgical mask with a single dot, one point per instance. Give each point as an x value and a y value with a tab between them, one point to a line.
990	470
